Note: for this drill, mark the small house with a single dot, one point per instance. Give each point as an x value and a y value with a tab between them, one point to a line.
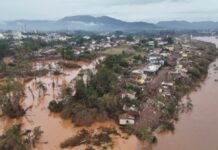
184	55
152	69
131	110
126	119
130	94
170	48
151	43
169	84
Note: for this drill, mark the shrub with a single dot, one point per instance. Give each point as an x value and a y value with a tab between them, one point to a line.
89	148
102	138
55	106
167	125
146	135
81	138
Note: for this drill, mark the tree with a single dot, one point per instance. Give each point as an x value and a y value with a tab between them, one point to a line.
129	38
108	102
104	82
116	62
4	49
170	40
41	87
16	139
146	135
11	87
66	93
12	140
11	92
36	135
80	90
55	106
67	54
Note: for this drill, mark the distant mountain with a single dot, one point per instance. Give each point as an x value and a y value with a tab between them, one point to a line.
87	23
185	25
104	23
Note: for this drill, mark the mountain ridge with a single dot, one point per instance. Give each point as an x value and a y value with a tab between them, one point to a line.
103	23
176	24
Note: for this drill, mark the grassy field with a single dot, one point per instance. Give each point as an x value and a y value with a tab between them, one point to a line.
116	50
121	49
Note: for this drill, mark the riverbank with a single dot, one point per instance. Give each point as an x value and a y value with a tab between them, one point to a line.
197	129
57	130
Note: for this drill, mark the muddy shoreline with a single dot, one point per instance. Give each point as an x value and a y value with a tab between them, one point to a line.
196	130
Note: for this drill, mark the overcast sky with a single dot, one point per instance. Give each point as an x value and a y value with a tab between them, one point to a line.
129	10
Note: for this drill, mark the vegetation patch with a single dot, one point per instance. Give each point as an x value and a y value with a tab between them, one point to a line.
16	139
101	139
69	65
11	93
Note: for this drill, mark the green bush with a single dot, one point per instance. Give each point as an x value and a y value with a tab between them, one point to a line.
146	135
55	106
81	138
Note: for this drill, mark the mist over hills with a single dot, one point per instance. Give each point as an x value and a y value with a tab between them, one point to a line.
185	25
104	23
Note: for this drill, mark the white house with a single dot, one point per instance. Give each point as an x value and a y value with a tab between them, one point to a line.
2	36
126	119
151	68
151	43
130	95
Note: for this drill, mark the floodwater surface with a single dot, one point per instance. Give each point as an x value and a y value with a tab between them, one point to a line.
198	129
55	129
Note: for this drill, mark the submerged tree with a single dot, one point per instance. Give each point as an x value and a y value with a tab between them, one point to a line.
11	92
41	87
16	139
12	140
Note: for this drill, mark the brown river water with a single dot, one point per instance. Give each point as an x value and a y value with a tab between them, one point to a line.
196	130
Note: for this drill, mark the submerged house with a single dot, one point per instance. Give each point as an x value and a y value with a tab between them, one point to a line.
131	113
126	119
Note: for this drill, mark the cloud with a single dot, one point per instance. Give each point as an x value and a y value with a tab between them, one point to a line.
122	2
130	10
215	11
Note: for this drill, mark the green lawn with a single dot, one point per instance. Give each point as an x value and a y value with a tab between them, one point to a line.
116	50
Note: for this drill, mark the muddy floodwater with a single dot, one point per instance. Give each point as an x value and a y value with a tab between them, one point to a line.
55	129
198	129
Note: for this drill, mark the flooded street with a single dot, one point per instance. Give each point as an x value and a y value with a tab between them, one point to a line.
196	130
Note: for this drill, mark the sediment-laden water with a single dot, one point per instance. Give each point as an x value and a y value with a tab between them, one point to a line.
198	129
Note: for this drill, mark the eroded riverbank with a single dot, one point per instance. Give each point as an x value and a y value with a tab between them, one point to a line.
196	130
